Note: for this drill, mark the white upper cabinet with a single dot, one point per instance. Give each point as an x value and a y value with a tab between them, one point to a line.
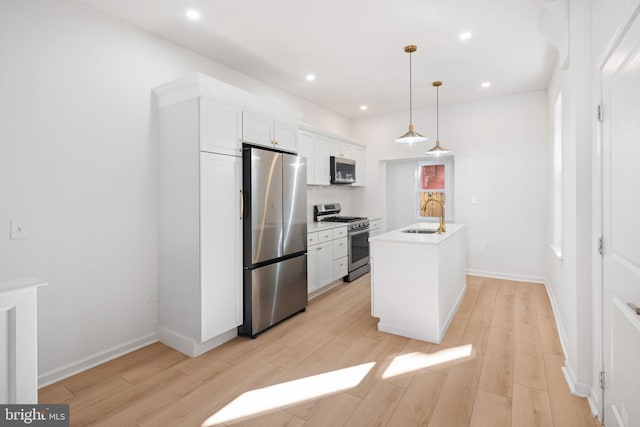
340	148
261	130
305	149
321	160
318	148
220	128
360	156
284	136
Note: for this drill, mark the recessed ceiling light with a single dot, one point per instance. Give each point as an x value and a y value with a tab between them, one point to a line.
485	84
311	77
363	107
193	14
465	35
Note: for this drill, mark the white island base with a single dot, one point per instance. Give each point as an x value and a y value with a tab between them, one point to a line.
418	281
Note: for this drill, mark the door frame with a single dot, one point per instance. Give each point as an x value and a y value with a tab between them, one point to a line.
597	398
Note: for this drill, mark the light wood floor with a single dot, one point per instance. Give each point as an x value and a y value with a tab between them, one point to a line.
330	366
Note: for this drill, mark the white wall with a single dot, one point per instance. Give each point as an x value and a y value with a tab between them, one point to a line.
78	160
501	159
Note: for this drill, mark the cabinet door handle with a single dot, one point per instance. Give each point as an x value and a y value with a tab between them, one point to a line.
241	205
311	240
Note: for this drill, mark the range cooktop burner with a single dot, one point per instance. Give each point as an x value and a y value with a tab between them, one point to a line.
343	218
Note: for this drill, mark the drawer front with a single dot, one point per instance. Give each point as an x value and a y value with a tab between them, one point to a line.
312	238
325	235
339	232
340	267
340	248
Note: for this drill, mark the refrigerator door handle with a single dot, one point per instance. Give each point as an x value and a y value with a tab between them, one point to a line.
241	205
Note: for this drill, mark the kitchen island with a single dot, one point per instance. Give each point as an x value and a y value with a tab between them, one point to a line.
418	280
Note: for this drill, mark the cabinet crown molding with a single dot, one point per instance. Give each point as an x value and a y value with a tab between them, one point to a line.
200	85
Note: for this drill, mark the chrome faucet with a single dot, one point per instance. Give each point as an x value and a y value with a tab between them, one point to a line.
442	228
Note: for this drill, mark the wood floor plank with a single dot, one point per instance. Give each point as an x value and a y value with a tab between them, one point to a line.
419	400
497	372
378	406
111	368
528	362
504	313
156	386
549	335
143	371
566	409
334	411
205	401
456	401
105	405
531	407
273	419
55	393
525	305
542	301
491	410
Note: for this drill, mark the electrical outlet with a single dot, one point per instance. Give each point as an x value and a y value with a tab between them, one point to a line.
19	229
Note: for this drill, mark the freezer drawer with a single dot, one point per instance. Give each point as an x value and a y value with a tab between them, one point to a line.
273	293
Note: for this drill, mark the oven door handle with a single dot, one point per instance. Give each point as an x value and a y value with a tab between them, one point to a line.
356	233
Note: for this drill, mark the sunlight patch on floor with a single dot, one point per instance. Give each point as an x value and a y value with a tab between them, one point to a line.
285	394
415	361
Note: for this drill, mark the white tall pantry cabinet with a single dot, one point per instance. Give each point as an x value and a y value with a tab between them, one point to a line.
200	136
200	236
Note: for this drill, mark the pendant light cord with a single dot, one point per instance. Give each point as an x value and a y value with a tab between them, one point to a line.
437	113
410	96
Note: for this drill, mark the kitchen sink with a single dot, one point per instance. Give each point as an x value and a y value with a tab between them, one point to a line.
420	231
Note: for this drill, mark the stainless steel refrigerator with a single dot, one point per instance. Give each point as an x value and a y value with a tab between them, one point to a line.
275	237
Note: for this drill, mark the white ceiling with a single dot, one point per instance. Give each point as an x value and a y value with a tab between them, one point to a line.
356	47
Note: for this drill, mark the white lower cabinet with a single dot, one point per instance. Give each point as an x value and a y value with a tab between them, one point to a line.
319	266
327	257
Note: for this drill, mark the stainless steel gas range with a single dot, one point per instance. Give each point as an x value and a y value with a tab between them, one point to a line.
358	236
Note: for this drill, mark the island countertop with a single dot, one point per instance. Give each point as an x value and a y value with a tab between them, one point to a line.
401	237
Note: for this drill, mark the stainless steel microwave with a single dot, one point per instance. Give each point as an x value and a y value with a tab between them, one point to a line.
343	171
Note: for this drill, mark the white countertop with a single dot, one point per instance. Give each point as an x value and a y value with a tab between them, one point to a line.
319	226
399	237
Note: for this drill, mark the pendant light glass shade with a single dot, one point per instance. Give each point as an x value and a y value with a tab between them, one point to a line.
411	136
438	150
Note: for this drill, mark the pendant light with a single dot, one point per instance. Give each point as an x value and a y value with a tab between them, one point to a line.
411	136
437	150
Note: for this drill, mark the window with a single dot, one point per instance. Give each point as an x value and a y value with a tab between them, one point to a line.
557	177
434	180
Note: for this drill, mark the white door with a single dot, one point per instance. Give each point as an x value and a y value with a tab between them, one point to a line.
621	230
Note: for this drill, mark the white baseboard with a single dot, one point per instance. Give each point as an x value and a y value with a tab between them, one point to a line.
576	387
594	401
506	276
559	327
190	347
94	360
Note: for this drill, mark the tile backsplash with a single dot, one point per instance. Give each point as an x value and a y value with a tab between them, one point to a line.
332	194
